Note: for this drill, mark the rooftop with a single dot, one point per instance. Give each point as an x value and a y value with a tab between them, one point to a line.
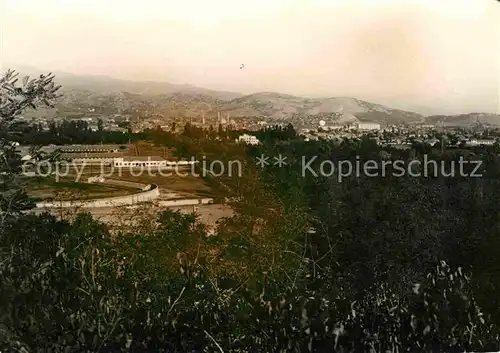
91	147
89	155
24	150
142	158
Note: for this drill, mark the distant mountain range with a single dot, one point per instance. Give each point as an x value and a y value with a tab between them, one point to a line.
266	105
102	84
110	95
465	119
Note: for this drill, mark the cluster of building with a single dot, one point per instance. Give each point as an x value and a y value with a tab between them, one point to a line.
109	155
110	123
404	135
248	139
224	120
154	121
337	131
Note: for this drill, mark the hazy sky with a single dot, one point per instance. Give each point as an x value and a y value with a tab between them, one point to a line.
440	53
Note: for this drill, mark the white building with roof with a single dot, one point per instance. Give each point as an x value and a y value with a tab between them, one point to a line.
149	161
368	126
248	139
479	142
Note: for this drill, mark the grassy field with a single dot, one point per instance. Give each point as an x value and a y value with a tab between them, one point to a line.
148	149
188	184
185	184
45	188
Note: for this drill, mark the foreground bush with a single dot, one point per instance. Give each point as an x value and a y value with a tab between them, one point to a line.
70	287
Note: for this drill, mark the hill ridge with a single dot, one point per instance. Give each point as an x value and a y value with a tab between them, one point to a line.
90	91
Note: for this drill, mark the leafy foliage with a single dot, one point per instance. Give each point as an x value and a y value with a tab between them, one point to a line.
307	264
14	98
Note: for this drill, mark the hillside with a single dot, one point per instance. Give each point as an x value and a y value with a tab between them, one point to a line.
281	106
106	85
465	120
106	95
265	105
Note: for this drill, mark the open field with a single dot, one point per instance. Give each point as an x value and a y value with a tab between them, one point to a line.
189	184
67	189
74	182
148	149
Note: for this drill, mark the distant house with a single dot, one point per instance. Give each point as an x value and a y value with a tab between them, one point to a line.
139	161
368	126
90	148
148	161
401	146
116	129
480	142
310	138
89	158
432	142
248	139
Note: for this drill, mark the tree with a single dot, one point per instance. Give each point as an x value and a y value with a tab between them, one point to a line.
100	125
15	97
220	131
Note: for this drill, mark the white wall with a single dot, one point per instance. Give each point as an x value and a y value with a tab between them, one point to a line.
368	126
185	202
145	196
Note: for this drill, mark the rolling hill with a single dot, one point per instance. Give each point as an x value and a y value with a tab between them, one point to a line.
105	85
465	120
281	106
265	105
109	95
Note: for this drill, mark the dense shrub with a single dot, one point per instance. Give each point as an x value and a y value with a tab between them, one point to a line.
305	265
77	292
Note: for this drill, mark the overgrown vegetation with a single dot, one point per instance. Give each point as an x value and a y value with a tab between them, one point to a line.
307	264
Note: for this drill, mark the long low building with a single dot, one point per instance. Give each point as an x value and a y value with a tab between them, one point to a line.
152	193
480	142
368	126
126	161
77	149
150	161
79	154
93	148
109	155
89	158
